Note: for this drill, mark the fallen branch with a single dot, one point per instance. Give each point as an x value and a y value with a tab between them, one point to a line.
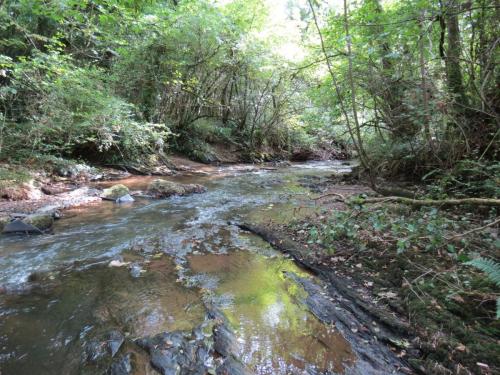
437	202
342	198
479	229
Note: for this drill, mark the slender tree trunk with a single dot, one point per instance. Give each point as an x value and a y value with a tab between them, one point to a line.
453	53
355	137
423	85
350	76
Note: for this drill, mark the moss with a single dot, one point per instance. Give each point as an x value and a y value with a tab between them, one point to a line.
162	188
41	221
115	192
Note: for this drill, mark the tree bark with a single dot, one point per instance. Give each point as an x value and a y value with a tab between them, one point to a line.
453	53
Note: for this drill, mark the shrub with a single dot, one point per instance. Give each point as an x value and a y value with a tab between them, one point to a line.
57	108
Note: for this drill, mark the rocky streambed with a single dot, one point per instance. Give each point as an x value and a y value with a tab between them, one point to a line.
169	286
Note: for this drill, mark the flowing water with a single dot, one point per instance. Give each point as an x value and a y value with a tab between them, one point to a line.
182	252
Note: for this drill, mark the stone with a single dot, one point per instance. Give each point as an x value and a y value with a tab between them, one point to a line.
118	263
127	198
115	192
115	340
225	342
232	367
135	270
94	351
163	188
40	221
122	366
19	226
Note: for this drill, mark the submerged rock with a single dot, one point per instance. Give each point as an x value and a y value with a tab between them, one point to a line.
94	351
127	198
103	346
176	353
231	366
225	342
135	270
115	341
122	366
115	192
163	189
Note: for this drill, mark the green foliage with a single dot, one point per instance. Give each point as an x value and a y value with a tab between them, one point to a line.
488	266
112	79
492	270
467	178
11	177
398	228
59	108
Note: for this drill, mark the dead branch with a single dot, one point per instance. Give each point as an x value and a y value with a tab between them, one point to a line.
437	202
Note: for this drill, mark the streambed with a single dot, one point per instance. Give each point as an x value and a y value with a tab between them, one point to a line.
177	257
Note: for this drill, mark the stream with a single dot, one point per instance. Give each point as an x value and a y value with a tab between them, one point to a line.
173	258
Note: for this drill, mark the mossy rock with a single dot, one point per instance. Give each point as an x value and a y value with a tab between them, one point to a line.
40	221
115	192
163	189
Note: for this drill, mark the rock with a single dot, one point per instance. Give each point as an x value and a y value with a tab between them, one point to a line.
115	192
4	220
40	221
117	263
135	270
94	351
177	353
19	226
52	209
125	199
123	366
225	342
104	345
232	367
81	171
53	189
163	189
115	341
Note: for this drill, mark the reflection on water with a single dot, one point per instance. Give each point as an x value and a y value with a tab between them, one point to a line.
277	334
44	330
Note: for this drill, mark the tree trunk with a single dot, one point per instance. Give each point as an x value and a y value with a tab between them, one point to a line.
453	53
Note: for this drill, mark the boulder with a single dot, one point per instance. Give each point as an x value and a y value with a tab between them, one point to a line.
19	226
115	192
42	221
163	189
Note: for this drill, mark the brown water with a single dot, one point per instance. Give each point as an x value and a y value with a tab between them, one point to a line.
188	254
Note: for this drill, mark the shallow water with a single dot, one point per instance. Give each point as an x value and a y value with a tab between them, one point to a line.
188	253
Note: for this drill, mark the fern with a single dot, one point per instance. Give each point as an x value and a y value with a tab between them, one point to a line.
488	266
492	270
